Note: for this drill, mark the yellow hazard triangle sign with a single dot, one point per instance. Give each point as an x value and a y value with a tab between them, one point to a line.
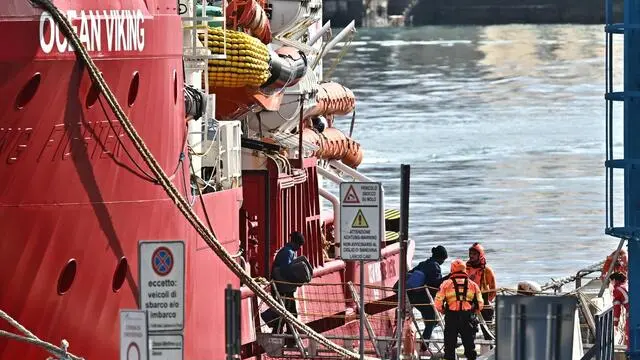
360	221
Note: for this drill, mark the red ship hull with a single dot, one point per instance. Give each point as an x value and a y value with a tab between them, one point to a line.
75	199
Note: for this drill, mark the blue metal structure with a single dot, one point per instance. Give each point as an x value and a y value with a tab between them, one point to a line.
630	163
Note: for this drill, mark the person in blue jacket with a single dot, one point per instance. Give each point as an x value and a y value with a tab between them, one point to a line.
426	273
280	271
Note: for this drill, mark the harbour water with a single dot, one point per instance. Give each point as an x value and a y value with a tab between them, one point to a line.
504	127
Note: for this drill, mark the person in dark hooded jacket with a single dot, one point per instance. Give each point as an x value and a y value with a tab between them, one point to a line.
426	273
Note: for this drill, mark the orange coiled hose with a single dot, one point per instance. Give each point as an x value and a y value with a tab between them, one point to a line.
334	145
250	15
255	19
333	99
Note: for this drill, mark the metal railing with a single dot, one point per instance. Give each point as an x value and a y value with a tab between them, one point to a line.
604	346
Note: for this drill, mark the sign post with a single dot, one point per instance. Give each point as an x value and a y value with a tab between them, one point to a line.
133	335
162	284
232	322
360	231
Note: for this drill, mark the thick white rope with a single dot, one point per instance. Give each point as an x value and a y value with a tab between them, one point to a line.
61	352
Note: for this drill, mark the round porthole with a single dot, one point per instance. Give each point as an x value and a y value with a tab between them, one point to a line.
28	91
175	87
133	88
120	274
67	276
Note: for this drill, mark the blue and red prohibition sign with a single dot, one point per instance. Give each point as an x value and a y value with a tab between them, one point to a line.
162	261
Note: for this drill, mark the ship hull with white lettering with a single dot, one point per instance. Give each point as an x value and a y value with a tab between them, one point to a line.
76	198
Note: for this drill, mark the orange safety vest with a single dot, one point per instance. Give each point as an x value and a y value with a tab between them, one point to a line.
459	293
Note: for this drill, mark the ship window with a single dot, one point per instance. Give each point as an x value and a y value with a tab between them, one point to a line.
92	95
175	87
68	274
133	88
28	91
120	275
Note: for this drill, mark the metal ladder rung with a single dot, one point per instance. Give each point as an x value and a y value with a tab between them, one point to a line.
621	95
622	163
614	28
620	232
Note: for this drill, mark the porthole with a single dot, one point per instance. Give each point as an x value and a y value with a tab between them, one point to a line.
120	274
67	276
133	89
28	91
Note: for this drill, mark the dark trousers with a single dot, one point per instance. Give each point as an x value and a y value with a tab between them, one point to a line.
290	305
419	300
429	318
459	323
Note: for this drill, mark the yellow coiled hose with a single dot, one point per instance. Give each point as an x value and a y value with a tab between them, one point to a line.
247	62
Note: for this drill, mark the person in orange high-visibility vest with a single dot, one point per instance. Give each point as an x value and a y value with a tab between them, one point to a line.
481	274
459	299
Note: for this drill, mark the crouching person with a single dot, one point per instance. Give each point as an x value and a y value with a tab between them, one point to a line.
289	271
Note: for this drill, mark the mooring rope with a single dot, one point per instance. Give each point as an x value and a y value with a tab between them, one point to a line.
172	191
61	352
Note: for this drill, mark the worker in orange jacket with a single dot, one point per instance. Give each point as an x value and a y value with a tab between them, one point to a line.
620	265
459	299
481	274
620	301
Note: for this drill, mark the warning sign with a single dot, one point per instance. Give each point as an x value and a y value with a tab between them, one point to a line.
133	335
360	220
351	197
161	265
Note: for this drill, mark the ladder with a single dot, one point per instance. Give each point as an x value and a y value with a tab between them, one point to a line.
630	161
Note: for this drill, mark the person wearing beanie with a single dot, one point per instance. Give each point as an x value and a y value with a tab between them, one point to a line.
427	275
281	271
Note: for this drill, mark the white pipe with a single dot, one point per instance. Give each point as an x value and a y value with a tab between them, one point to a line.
318	35
358	176
350	28
349	171
329	175
336	212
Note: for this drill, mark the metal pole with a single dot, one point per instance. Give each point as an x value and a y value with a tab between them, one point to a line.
267	225
631	170
405	171
300	151
362	310
228	305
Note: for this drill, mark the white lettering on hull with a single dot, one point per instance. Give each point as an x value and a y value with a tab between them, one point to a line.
124	31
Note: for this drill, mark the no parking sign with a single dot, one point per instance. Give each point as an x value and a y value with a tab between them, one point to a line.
162	284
